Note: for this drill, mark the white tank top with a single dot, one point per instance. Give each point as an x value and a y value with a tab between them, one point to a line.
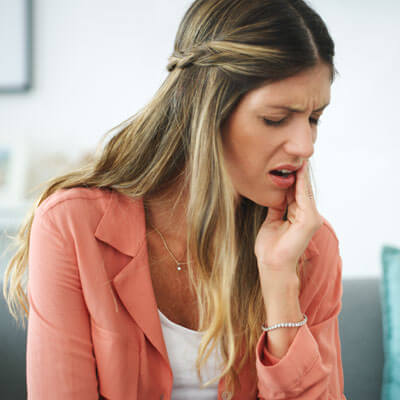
182	345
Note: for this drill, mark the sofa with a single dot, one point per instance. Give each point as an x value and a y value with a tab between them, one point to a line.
360	326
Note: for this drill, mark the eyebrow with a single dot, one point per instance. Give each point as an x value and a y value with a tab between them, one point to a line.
298	110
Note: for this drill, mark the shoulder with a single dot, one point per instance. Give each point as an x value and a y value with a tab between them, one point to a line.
326	264
77	198
74	208
322	290
326	239
329	230
81	214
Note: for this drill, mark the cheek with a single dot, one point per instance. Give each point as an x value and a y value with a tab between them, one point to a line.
246	158
247	149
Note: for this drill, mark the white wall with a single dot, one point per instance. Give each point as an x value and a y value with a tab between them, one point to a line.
97	62
356	159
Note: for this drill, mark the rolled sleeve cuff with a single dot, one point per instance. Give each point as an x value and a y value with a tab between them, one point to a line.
280	375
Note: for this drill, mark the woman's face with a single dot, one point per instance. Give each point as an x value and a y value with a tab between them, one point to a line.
253	146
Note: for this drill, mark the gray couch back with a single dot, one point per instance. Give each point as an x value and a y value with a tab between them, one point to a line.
360	325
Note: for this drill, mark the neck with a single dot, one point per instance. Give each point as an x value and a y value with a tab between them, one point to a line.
166	211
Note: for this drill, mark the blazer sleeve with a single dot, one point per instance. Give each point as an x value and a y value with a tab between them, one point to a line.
60	362
311	369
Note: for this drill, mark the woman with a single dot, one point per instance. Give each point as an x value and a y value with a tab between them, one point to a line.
164	268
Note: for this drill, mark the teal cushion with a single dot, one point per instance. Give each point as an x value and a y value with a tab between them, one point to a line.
390	302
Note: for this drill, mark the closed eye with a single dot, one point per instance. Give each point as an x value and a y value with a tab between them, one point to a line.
269	122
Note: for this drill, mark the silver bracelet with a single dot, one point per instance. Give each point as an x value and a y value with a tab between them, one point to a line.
285	324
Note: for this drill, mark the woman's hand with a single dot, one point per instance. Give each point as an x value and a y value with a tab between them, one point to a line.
280	244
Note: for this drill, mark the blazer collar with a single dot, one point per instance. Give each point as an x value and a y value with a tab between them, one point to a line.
123	224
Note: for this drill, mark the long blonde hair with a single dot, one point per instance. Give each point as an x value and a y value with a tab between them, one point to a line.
223	49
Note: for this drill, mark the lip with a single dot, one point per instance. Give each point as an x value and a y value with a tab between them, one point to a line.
289	167
283	183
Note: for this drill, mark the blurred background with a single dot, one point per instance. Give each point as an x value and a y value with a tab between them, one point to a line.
72	70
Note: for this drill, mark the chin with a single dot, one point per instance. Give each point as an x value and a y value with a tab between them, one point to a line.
276	201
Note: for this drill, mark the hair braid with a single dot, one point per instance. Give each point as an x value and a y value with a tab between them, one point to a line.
221	52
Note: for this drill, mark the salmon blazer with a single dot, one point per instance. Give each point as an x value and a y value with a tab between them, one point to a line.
94	330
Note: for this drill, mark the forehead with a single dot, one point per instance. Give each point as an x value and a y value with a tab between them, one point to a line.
309	88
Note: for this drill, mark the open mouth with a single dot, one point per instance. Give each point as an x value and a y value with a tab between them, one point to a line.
282	174
283	179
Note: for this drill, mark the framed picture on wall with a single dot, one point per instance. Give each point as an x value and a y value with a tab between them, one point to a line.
15	45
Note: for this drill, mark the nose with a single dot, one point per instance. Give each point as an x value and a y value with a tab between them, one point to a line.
301	139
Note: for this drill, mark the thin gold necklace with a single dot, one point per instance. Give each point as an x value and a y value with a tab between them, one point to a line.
178	264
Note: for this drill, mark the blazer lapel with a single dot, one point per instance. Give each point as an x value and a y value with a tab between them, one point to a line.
123	227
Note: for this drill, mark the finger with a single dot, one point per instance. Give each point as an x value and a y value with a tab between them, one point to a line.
291	202
304	193
310	191
290	196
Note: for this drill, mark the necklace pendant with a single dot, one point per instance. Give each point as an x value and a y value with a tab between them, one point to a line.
178	267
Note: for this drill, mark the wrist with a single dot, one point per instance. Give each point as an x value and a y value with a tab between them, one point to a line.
279	285
277	267
279	277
